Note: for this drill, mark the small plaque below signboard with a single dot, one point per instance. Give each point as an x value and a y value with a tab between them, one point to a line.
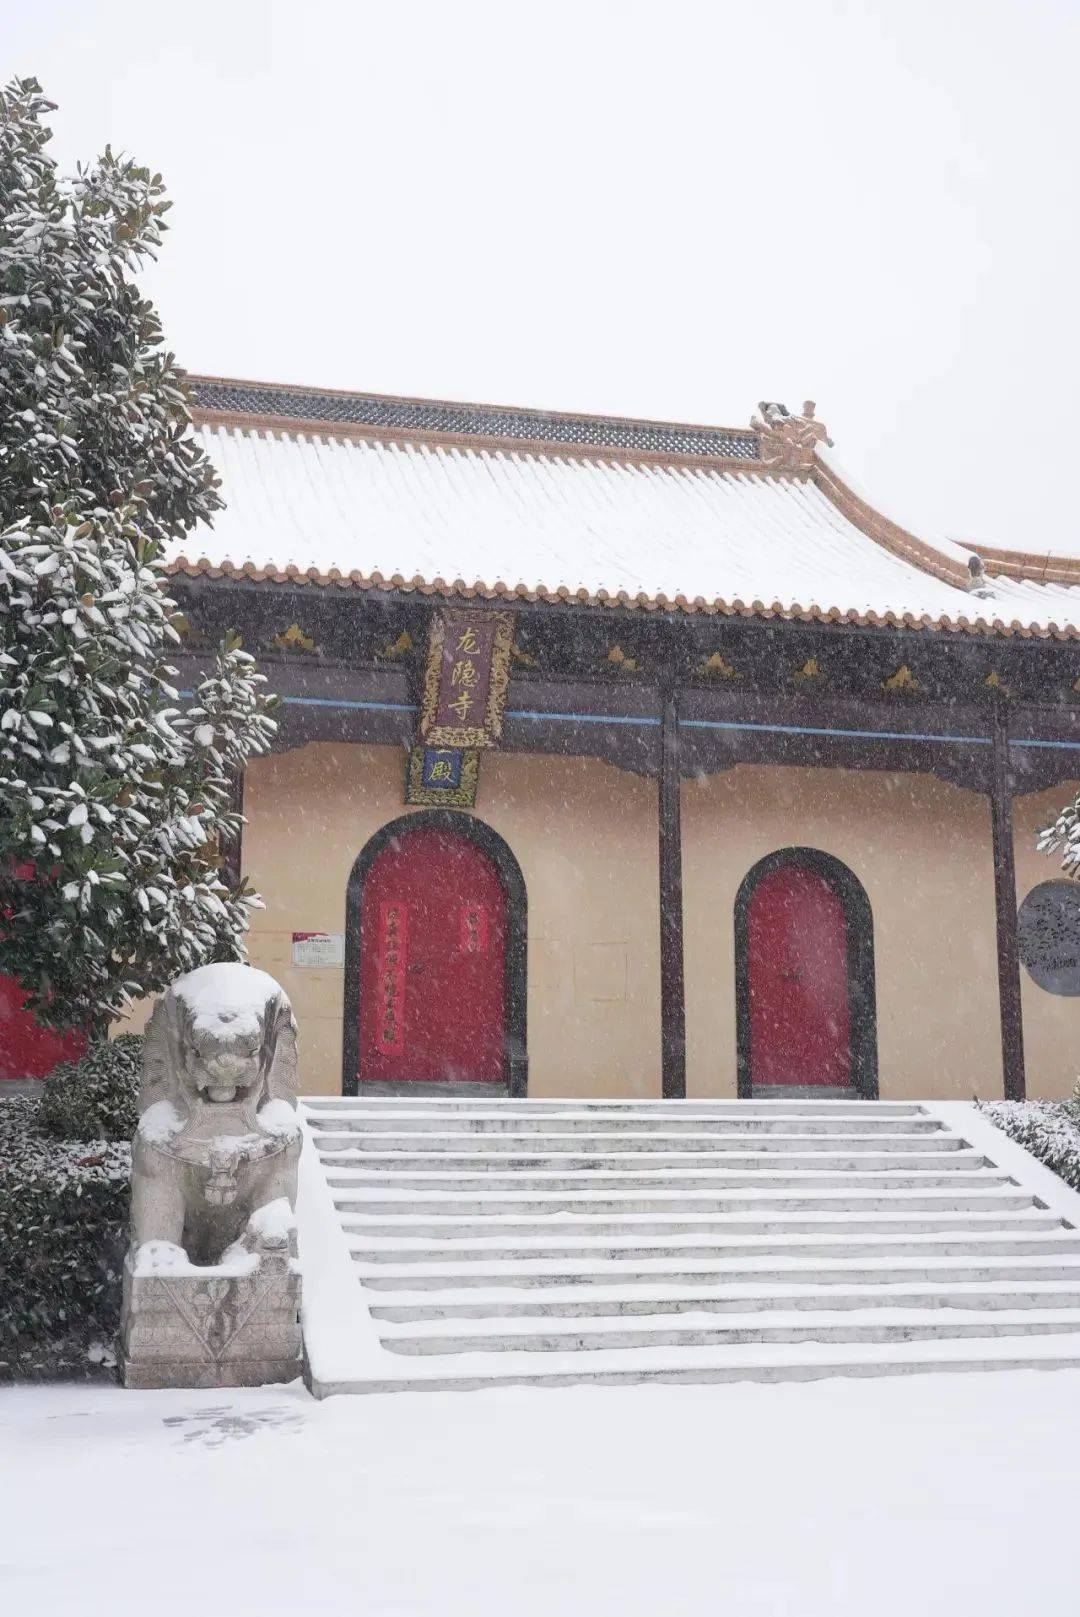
446	775
1048	924
318	949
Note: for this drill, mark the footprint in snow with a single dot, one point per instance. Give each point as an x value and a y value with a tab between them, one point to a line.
213	1427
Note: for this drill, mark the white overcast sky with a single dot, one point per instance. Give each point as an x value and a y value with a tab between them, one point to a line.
661	208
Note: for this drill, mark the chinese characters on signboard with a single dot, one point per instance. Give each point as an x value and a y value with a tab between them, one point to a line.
468	670
442	775
392	960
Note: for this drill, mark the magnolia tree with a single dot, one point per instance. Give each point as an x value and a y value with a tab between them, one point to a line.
114	799
1063	836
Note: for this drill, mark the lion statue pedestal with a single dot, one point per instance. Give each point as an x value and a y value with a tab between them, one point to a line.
211	1283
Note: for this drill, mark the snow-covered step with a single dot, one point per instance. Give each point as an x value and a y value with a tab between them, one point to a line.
754	1361
656	1166
863	1126
591	1335
723	1224
675	1181
465	1242
375	1203
610	1301
692	1248
497	1278
636	1141
320	1108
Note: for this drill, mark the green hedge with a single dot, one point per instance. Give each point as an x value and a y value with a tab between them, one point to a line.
95	1098
63	1233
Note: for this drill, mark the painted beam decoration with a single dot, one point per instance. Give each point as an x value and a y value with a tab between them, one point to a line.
446	775
468	669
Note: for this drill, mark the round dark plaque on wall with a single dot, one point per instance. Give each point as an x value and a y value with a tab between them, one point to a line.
1049	928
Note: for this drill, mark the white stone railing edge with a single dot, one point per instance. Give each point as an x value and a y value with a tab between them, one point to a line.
341	1343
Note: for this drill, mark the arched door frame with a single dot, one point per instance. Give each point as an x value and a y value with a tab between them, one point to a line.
859	922
515	1059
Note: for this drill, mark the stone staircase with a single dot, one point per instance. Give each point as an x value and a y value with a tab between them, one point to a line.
462	1243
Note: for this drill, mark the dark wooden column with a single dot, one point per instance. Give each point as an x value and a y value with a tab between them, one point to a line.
1008	957
672	990
233	847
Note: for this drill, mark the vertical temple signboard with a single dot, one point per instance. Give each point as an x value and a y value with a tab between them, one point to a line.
468	670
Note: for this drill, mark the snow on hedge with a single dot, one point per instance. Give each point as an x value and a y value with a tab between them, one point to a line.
27	1152
1049	1129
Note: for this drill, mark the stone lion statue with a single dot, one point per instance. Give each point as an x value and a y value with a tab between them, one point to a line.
218	1142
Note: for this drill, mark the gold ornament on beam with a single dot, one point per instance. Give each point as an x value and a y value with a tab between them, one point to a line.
624	664
294	639
716	666
994	682
395	648
902	682
811	673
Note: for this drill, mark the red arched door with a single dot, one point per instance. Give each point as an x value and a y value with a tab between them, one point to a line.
433	931
28	1050
797	966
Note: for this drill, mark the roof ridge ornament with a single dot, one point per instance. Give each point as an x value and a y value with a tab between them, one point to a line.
786	441
979	582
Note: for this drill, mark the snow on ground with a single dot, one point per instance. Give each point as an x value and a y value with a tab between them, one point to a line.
928	1494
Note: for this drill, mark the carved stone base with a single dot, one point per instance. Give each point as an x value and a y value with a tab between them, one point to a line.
211	1329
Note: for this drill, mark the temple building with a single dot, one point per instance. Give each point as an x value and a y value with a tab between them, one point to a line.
628	758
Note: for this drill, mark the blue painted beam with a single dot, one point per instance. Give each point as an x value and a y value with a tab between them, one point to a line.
651	720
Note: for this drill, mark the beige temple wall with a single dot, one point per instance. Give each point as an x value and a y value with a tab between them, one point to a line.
921	849
584	835
1051	1021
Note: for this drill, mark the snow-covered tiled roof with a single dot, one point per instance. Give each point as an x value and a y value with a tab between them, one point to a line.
442	518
